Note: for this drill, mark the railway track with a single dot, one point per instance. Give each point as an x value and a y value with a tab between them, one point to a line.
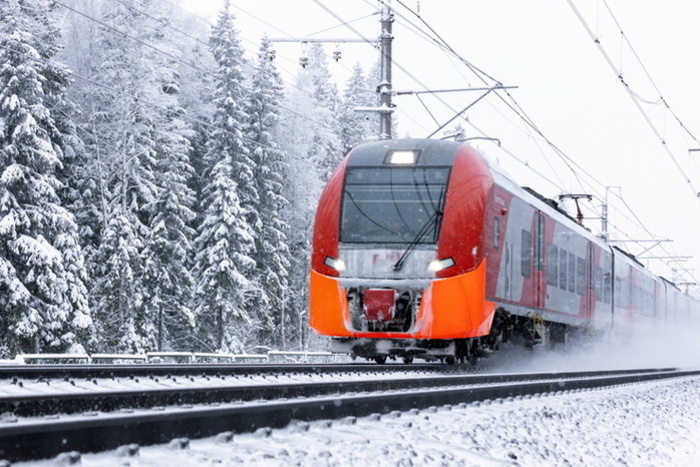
99	420
210	369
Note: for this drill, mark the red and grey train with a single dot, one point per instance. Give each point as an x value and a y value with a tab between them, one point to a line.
422	249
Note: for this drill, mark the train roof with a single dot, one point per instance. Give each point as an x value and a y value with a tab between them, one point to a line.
429	152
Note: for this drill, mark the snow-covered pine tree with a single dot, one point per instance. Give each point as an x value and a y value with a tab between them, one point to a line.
196	90
142	282
271	248
169	246
123	140
43	299
226	239
87	179
357	127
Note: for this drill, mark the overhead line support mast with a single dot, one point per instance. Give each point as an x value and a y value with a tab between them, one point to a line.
385	105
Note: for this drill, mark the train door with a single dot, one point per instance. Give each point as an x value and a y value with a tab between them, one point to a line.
540	279
508	279
589	291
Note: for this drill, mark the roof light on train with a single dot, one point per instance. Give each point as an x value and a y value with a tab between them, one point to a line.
335	263
402	157
440	264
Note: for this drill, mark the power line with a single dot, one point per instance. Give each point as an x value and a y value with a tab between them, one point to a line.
635	99
646	72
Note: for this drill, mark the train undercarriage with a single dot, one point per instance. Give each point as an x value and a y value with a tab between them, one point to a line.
506	327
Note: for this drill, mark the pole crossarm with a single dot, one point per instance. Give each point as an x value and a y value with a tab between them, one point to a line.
374	109
329	40
488	91
438	91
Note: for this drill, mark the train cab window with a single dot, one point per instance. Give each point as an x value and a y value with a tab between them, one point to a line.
496	232
563	268
393	204
580	276
571	276
525	253
552	265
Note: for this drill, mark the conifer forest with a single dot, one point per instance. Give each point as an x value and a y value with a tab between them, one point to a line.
157	182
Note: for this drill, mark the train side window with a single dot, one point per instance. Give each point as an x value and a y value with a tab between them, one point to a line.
496	232
625	291
525	253
618	291
562	268
571	276
599	284
580	276
552	264
607	286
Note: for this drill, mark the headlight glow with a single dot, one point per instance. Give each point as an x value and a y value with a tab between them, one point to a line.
401	157
440	264
335	263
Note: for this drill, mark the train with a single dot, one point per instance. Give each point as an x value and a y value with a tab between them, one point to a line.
423	249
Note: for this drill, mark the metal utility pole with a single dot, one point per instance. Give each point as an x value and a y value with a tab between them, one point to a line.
384	89
385	105
604	218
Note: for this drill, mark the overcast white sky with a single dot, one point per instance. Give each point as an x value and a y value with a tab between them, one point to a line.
564	85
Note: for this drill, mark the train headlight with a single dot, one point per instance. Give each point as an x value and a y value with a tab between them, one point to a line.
403	157
335	263
440	264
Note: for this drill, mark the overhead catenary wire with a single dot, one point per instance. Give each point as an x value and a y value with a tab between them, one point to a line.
648	75
635	99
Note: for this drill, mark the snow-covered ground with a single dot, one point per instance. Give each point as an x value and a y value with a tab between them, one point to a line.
655	424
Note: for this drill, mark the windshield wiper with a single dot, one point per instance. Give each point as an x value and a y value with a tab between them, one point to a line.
433	221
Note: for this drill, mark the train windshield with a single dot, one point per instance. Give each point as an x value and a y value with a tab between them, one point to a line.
393	204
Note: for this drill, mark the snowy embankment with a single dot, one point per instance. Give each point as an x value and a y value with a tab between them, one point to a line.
650	424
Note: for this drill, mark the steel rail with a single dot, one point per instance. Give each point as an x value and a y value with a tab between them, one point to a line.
93	433
84	400
68	370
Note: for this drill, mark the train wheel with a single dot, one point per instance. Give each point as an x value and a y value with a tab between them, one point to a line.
408	359
450	360
381	359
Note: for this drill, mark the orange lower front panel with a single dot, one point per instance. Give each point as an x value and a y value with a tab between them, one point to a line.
451	308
